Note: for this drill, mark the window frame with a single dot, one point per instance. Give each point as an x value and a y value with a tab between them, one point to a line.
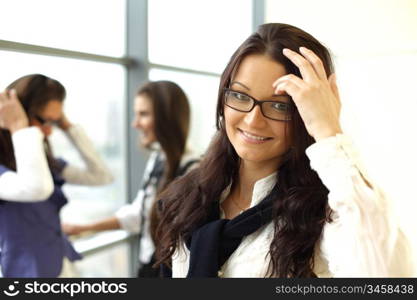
137	65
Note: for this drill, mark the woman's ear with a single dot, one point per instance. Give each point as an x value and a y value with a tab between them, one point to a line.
221	122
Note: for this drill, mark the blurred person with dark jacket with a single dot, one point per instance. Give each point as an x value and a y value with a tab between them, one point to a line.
31	178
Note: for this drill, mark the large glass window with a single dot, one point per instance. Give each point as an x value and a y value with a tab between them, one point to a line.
92	26
95	93
189	42
97	264
199	35
96	99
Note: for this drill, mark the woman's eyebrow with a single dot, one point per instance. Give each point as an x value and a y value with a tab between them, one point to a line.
241	84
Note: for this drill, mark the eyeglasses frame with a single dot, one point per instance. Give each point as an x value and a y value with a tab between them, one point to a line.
258	102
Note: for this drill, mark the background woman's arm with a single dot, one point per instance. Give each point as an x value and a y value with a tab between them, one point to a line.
32	180
96	171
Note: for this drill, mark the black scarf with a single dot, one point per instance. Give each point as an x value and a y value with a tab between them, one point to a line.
212	243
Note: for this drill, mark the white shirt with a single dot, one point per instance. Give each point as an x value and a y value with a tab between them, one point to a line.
32	181
129	216
96	171
362	241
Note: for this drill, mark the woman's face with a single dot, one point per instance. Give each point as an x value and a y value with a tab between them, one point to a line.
256	138
144	120
50	115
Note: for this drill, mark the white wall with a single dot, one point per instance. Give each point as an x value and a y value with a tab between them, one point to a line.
375	47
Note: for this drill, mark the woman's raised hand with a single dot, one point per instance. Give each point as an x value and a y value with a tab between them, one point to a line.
12	115
315	95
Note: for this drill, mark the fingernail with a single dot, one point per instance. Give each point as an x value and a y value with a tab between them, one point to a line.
278	81
303	48
277	87
285	51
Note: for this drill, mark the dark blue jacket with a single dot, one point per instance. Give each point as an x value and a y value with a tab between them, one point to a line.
31	241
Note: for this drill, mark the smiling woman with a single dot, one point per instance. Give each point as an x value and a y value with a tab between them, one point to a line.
144	119
259	204
254	135
162	116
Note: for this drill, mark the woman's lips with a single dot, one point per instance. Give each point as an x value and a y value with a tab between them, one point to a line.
253	138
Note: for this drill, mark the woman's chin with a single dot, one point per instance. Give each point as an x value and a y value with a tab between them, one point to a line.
146	143
259	158
252	157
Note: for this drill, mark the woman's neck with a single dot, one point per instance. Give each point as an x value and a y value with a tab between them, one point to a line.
249	174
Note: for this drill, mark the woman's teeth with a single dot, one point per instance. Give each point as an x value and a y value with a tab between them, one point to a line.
255	137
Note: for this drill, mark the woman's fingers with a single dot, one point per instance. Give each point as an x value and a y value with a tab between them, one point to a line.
310	65
287	86
333	85
12	114
291	77
335	89
3	96
8	95
305	67
315	61
13	95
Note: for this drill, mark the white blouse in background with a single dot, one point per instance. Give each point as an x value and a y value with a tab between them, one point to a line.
363	240
129	215
96	171
33	181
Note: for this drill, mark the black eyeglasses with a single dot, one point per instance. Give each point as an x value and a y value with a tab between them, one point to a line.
46	122
278	110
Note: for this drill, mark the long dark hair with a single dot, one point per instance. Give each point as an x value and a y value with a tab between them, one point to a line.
299	215
171	122
34	92
171	125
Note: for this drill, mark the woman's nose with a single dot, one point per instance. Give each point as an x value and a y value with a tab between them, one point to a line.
136	123
255	118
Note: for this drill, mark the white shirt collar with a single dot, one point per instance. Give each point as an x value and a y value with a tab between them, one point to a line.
261	189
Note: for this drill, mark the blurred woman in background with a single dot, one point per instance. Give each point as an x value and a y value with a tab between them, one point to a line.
162	115
31	178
